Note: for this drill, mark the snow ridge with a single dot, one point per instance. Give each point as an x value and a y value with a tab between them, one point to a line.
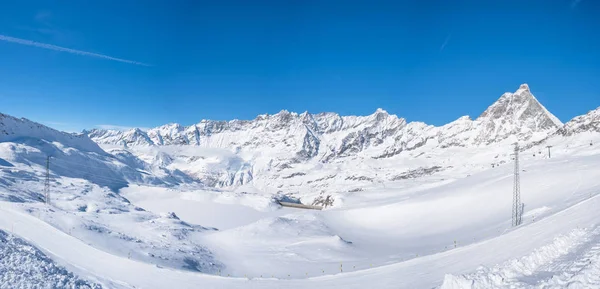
330	136
589	122
269	144
15	129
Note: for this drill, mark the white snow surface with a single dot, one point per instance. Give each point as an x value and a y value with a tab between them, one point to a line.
414	205
571	261
24	266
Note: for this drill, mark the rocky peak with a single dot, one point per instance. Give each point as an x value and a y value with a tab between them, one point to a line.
521	106
589	122
516	115
524	87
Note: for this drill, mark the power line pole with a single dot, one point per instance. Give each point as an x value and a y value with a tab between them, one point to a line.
548	150
517	207
47	181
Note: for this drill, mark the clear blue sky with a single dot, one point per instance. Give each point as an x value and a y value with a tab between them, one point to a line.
432	61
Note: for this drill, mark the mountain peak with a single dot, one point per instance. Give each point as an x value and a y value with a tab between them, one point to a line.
524	87
517	114
381	110
520	106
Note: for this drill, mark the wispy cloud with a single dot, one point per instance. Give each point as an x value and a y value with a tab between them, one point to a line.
64	49
118	127
42	24
445	42
42	16
574	3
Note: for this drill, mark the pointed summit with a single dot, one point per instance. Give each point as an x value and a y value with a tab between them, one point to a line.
516	115
524	87
519	107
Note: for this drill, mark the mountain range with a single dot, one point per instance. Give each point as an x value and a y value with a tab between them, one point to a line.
294	152
270	145
329	135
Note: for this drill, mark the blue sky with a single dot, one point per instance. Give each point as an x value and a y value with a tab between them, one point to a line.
80	64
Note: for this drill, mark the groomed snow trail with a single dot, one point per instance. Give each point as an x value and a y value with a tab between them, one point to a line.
584	272
571	261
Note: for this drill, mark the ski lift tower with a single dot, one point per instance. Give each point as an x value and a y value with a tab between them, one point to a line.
47	181
517	207
549	151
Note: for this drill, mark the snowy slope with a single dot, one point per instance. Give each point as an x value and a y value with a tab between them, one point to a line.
83	181
571	261
25	147
425	271
24	266
13	130
589	122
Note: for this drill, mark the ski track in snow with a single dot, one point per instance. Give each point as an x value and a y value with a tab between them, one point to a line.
582	273
571	261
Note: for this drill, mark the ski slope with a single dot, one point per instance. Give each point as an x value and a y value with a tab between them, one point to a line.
376	227
571	261
422	272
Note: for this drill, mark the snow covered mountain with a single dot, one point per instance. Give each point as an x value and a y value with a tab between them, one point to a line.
14	129
519	114
271	144
330	135
589	122
27	144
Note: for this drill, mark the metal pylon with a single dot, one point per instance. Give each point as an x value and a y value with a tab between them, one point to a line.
517	206
47	181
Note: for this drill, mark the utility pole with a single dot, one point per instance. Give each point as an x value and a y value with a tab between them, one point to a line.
549	151
47	181
517	207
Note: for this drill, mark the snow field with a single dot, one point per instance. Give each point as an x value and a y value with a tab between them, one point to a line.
415	221
422	272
